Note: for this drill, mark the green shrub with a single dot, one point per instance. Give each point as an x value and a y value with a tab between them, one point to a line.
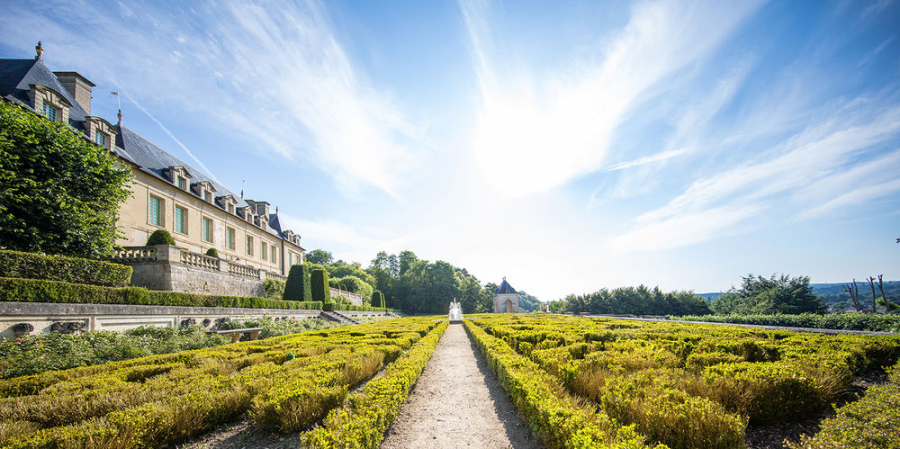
363	422
33	290
844	321
212	252
14	264
558	417
297	287
765	391
318	280
354	284
273	289
872	421
160	237
377	299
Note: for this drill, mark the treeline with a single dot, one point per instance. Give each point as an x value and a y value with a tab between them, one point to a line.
410	284
640	300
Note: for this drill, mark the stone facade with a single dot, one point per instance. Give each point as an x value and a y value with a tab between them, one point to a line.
167	194
506	299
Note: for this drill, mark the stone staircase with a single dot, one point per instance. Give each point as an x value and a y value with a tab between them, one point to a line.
338	317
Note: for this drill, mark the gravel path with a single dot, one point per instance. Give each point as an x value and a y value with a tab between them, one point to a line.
458	403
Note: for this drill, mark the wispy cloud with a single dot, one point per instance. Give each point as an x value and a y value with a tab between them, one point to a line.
274	75
551	132
165	129
803	166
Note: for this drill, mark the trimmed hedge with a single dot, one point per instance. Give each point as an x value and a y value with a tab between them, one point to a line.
368	414
160	237
297	286
33	290
563	420
841	321
212	252
14	264
318	280
872	421
378	299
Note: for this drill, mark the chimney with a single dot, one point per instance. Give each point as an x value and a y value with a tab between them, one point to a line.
79	87
260	208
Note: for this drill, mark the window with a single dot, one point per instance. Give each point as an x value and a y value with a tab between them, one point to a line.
229	238
207	230
50	112
273	254
180	219
230	208
154	211
262	250
249	245
100	139
290	259
207	196
182	183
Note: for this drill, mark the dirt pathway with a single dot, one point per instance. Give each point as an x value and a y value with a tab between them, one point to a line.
458	403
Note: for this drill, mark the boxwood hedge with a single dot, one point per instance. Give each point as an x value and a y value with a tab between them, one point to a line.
14	264
35	290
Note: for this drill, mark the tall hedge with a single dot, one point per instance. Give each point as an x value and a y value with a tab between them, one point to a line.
377	299
297	287
59	193
14	264
318	280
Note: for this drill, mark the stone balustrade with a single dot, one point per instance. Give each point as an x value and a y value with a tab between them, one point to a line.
244	271
136	253
354	298
170	268
201	261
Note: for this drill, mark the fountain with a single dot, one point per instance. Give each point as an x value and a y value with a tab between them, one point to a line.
455	315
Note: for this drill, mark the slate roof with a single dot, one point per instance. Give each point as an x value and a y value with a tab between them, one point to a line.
504	288
154	160
16	75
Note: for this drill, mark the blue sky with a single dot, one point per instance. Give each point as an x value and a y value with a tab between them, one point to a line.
569	146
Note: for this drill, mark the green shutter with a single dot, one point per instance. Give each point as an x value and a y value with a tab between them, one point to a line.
179	220
153	212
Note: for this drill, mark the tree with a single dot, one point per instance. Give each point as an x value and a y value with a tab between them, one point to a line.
385	268
528	303
59	193
341	269
319	256
778	294
354	284
853	291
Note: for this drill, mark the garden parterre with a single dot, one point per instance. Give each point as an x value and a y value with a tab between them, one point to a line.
589	382
287	383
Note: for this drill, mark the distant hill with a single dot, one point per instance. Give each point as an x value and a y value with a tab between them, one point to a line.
834	293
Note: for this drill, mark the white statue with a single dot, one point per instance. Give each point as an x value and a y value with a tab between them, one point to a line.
456	314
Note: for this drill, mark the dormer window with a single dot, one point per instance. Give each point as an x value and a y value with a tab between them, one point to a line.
100	131
205	190
101	139
51	113
230	208
179	176
53	104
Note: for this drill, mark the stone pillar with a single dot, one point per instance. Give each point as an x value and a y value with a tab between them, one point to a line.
168	253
